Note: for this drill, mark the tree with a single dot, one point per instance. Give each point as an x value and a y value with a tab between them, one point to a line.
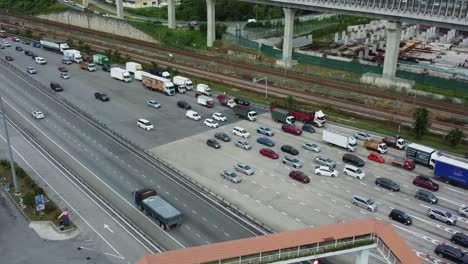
454	136
422	121
291	102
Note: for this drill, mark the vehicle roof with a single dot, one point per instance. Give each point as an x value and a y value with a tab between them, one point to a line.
421	147
163	208
143	120
454	162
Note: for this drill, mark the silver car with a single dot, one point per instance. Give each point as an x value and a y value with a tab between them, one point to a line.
244	168
362	135
442	215
293	162
231	176
325	161
153	103
243	144
311	146
463	211
364	202
31	70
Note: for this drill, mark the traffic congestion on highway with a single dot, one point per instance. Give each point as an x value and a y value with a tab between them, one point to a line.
286	173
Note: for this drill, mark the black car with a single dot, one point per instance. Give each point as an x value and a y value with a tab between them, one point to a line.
460	239
101	96
241	101
106	68
452	253
28	53
25	42
222	136
289	149
387	184
213	143
56	87
400	216
184	105
353	159
18	48
308	128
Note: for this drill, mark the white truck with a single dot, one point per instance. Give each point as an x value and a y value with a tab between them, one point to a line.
133	67
139	75
205	101
204	89
159	84
338	139
73	55
120	74
55	46
183	81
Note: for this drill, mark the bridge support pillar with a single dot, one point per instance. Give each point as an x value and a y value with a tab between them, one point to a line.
211	27
392	49
119	7
287	61
362	257
171	20
85	3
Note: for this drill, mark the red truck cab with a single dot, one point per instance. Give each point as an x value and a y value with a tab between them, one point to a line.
406	163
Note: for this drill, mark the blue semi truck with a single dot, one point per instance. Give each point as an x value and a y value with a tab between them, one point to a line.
451	170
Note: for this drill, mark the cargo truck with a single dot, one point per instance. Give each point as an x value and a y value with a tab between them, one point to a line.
282	116
244	112
375	145
405	163
316	118
159	84
139	75
100	59
338	139
205	101
225	100
203	89
423	155
147	200
55	46
132	67
182	81
451	171
394	142
161	72
73	55
88	66
120	74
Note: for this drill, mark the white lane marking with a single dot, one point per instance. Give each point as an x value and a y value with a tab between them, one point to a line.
450	201
258	201
427	238
290	198
319	194
271	207
348	206
227	234
333	200
332	216
204	219
277	193
301	203
317	210
363	183
195	212
284	213
454	190
299	220
441	227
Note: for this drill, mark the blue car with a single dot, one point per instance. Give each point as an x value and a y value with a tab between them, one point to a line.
37	45
265	141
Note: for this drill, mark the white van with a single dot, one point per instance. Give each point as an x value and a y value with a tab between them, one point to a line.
145	124
239	131
353	171
193	115
40	60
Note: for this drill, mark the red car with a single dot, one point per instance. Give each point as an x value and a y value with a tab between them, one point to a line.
88	59
374	156
299	176
15	39
62	69
3	35
8	58
426	183
267	152
291	129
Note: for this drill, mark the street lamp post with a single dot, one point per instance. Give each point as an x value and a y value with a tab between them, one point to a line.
12	163
255	80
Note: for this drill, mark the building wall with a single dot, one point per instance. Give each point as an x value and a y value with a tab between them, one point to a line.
144	3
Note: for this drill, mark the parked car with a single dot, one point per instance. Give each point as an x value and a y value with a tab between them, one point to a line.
290	150
219	117
299	176
145	124
37	45
192	115
210	123
244	168
308	128
291	129
324	161
374	156
153	104
267	152
243	144
213	143
426	183
353	171
28	53
101	96
426	196
8	58
293	162
64	75
265	131
56	87
6	44
239	131
460	239
184	105
364	202
241	101
40	60
265	141
387	184
230	176
442	215
362	136
400	216
18	48
463	211
15	39
37	114
106	68
311	146
326	171
223	137
353	159
62	69
31	70
451	253
25	42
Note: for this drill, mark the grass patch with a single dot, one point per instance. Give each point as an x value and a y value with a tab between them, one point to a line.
442	91
28	7
99	9
153	12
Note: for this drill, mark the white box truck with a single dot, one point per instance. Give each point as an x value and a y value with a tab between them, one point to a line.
139	75
338	139
53	45
204	89
132	67
180	80
156	83
73	55
120	74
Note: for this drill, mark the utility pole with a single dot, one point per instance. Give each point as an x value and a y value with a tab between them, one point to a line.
255	80
12	163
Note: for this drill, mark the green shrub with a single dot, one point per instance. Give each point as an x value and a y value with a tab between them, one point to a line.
38	190
51	207
5	164
20	172
28	200
29	182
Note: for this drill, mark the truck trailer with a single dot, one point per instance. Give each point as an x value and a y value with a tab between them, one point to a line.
156	83
244	112
316	118
139	75
423	155
55	46
183	81
394	142
282	116
205	101
120	74
452	171
155	206
375	145
100	59
132	67
73	55
338	139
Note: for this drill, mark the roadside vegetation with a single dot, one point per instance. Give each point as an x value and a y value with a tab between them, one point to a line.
455	93
28	7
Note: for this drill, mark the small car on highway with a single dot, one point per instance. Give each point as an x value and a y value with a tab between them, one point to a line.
324	161
400	216
293	162
290	150
353	159
299	176
241	101
219	117
463	211
192	115
231	176
37	114
40	60
243	144
101	96
265	141
362	135
62	69
240	132
8	58
244	168
374	156
308	128
353	171
213	143
210	123
326	171
31	70
311	146
387	184
291	129
153	104
145	124
426	183
184	105
18	48
64	75
28	53
452	253
265	131
56	87
460	239
442	215
425	195
269	153
364	202
222	136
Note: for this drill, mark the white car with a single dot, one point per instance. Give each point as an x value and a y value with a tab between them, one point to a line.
31	70
239	131
210	123
463	211
219	117
311	146
193	115
153	103
145	124
6	44
37	114
64	75
325	171
353	171
40	60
